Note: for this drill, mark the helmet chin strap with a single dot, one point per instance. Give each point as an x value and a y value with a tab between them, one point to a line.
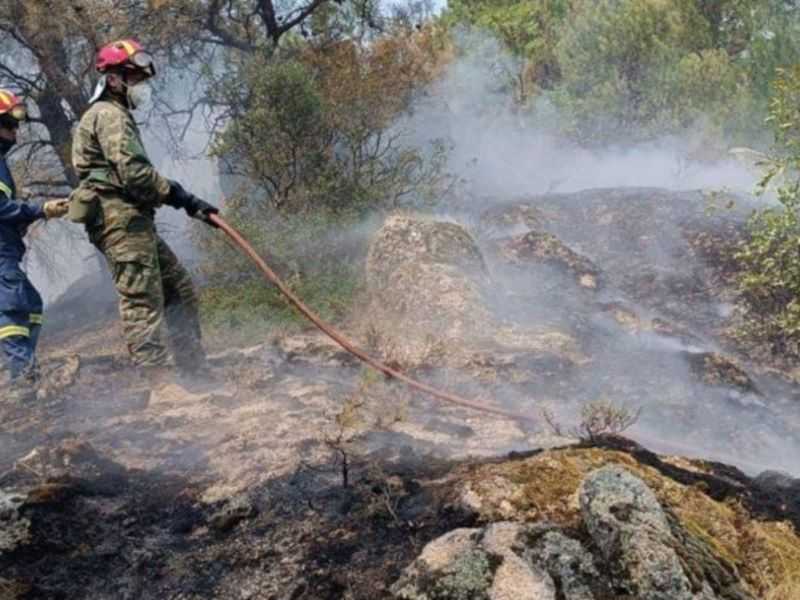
99	88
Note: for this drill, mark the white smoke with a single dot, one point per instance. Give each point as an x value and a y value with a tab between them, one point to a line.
504	154
504	150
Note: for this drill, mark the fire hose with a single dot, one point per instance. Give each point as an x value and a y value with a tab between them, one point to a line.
342	341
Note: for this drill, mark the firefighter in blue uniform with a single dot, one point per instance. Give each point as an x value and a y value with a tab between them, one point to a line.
20	303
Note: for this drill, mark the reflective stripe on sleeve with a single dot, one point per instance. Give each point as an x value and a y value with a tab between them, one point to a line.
36	319
6	190
14	330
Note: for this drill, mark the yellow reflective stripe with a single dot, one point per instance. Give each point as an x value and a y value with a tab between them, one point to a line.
35	319
14	330
128	48
6	190
5	97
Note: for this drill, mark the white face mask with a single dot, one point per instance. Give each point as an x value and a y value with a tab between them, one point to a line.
140	94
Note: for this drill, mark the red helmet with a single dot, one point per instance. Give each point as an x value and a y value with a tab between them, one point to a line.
12	105
127	54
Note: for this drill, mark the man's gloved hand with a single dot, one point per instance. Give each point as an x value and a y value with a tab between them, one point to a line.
200	209
194	206
55	209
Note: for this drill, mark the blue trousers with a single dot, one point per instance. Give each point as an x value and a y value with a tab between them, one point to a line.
19	334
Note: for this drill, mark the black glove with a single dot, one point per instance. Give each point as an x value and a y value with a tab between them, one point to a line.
194	206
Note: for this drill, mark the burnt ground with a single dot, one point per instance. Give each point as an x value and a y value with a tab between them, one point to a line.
300	536
240	495
110	532
644	279
234	495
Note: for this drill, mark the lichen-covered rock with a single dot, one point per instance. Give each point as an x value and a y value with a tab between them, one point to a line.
724	546
405	240
629	526
645	548
637	548
474	564
516	578
569	563
429	292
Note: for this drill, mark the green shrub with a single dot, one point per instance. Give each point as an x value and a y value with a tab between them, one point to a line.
319	128
641	68
627	70
277	135
770	258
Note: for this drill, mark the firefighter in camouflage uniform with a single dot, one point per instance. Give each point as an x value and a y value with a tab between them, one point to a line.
20	303
116	200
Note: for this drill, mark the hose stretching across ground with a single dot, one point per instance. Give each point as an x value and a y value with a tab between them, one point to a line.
340	339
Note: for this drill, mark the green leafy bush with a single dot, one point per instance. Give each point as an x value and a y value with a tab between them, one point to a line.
770	258
318	126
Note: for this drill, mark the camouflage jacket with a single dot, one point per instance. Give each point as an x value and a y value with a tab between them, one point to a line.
110	159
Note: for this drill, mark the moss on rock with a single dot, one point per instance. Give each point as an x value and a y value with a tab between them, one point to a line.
544	487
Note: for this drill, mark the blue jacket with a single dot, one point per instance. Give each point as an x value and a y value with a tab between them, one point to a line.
15	217
16	292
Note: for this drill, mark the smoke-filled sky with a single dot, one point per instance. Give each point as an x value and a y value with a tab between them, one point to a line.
502	152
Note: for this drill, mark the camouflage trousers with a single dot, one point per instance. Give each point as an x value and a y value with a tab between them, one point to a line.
155	293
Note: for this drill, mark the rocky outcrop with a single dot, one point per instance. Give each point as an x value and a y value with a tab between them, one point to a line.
479	564
653	527
633	547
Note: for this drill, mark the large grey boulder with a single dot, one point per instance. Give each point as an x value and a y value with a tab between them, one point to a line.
431	303
631	531
646	551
